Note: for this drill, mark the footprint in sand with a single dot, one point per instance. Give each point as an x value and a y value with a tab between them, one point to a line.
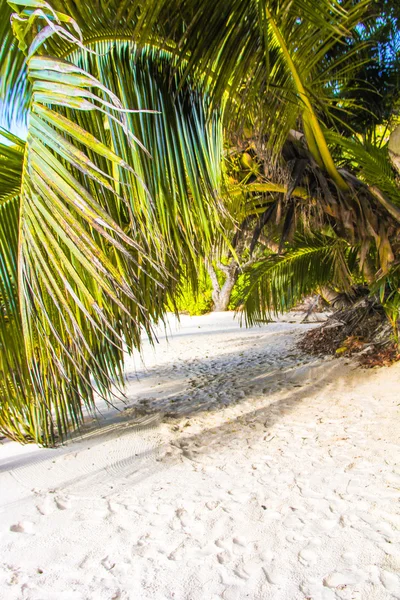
223	544
390	581
46	507
183	517
249	568
307	557
273	574
232	593
108	564
241	572
23	527
224	557
314	589
349	558
346	578
50	503
62	503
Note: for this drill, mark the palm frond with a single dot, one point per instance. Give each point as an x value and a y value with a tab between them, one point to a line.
76	265
371	163
104	228
14	97
279	282
281	63
17	396
11	160
274	69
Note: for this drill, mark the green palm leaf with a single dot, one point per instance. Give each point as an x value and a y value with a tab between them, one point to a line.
370	162
279	282
11	160
99	251
16	393
76	265
14	97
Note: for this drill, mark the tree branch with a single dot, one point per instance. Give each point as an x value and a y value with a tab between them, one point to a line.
213	277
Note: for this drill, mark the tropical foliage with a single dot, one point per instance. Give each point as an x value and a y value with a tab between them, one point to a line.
281	281
127	179
102	228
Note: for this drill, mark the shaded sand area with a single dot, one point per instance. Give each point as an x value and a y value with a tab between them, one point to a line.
241	469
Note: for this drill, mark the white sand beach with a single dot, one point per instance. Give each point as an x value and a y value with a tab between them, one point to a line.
240	469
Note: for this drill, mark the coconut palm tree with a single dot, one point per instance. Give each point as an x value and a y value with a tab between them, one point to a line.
95	231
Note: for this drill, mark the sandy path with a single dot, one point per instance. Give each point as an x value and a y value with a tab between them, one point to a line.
241	470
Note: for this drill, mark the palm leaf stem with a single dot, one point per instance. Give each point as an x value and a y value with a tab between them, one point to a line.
313	131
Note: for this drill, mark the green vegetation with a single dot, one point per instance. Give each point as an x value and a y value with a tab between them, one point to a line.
167	139
193	300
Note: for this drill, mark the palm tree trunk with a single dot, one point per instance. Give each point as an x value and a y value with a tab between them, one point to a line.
221	295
